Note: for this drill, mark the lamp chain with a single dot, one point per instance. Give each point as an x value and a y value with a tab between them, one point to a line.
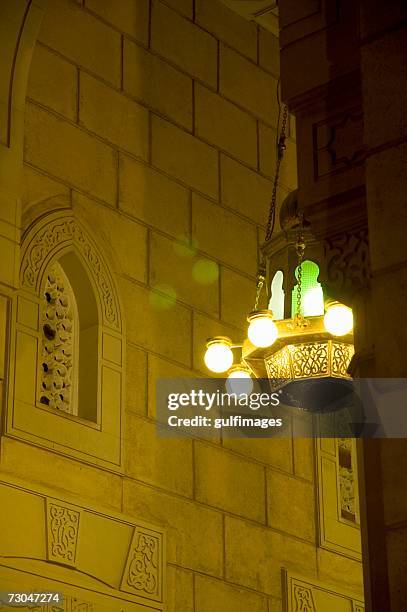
300	249
261	277
261	274
280	152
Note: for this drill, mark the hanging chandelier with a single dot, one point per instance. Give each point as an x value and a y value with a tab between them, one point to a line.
314	342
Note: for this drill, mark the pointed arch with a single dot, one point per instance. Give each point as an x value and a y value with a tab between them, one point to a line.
64	275
53	237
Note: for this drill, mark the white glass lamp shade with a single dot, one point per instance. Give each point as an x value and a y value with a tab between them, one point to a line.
219	355
239	380
338	319
262	330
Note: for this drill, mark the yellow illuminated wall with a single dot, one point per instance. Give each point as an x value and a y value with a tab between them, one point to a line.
149	151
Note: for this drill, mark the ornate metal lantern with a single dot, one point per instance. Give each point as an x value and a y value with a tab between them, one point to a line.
301	334
304	347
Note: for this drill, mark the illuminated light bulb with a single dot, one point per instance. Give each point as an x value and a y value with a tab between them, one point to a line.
262	330
239	380
313	301
338	319
218	356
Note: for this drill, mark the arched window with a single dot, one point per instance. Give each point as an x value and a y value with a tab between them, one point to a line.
67	386
311	291
276	303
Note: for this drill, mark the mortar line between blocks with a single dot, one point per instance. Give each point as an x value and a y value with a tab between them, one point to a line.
224	546
193	109
150	138
150	18
218	69
220	177
117	180
258	45
193	592
190	238
78	85
148	250
266	513
146	383
122	62
193	471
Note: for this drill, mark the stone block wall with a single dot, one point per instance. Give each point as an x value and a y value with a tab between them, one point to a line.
156	123
383	76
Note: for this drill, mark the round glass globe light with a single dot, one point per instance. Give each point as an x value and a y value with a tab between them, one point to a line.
218	356
240	382
338	320
262	331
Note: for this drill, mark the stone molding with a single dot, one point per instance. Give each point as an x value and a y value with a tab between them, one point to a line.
72	548
307	595
58	231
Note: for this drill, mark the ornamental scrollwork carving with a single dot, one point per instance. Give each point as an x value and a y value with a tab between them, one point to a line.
310	359
341	355
346	260
303	598
347	492
142	574
68	604
62	532
62	232
338	143
347	479
279	367
58	325
78	605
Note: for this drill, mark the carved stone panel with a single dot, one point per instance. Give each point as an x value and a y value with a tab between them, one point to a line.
62	533
338	143
347	479
346	262
304	601
141	574
305	595
338	504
